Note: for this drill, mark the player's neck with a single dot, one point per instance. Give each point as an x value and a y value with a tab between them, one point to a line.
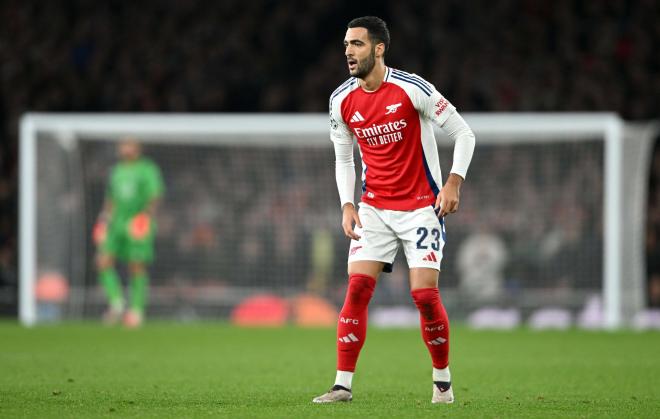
374	79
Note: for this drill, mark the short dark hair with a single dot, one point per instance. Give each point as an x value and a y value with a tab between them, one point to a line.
376	28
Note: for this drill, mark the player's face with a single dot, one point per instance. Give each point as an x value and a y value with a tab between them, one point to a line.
360	52
129	150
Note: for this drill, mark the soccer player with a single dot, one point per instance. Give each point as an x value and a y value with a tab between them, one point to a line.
125	230
390	113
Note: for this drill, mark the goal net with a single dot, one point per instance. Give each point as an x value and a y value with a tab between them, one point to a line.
250	208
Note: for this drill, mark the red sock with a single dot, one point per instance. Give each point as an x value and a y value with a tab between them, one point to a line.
352	325
435	324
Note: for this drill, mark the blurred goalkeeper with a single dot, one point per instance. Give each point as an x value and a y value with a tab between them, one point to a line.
125	230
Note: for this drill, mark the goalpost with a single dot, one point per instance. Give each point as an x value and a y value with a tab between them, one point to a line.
273	212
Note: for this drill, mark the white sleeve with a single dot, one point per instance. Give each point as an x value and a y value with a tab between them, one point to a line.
344	165
431	104
459	131
345	173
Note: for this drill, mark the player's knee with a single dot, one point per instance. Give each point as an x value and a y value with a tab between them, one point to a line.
428	302
360	289
423	278
370	268
356	292
136	268
103	262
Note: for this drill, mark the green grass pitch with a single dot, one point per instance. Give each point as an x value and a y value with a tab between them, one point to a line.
215	370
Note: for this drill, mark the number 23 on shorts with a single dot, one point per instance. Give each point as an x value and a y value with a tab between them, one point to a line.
423	234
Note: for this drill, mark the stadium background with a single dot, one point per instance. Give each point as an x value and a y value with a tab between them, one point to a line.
286	56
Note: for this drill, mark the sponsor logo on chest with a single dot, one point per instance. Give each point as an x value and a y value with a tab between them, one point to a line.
381	134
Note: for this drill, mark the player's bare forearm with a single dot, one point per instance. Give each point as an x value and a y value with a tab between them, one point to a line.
152	206
106	211
449	196
350	218
455	179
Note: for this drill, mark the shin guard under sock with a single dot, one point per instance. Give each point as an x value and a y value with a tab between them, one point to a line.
352	325
434	323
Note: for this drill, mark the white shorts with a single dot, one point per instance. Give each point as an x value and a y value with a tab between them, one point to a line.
420	232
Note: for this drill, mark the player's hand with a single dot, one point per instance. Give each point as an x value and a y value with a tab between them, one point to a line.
449	196
99	232
140	226
350	218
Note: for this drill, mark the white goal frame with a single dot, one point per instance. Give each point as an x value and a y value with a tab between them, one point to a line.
496	128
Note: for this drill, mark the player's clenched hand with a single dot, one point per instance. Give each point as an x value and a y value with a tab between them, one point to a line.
99	232
350	218
140	226
449	196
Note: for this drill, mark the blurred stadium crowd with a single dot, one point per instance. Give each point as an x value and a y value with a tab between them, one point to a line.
240	218
286	56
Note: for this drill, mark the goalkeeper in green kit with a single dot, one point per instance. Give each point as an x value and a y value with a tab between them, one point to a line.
125	231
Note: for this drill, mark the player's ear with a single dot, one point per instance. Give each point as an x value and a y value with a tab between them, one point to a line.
380	50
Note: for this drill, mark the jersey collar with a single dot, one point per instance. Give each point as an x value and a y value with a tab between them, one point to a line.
385	78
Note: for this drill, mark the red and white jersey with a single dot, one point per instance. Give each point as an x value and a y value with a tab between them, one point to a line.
393	126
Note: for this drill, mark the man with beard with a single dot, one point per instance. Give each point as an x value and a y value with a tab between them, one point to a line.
390	113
